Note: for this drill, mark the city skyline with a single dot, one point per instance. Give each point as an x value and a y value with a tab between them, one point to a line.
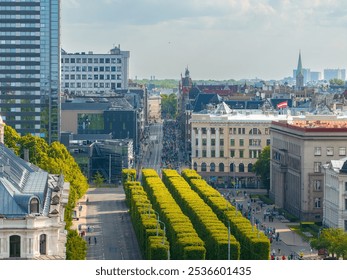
221	39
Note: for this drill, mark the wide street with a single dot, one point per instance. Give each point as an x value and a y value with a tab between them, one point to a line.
105	219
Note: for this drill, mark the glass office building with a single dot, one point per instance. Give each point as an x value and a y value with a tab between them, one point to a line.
30	66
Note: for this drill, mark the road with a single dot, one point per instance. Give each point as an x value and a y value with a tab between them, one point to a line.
152	152
107	218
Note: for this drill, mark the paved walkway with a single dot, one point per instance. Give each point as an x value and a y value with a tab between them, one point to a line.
289	243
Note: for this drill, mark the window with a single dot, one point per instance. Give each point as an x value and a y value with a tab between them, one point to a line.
345	225
232	153
213	131
232	142
241	167
232	167
221	167
203	166
213	153
196	142
254	131
196	153
330	151
34	205
204	142
221	142
204	130
221	131
221	153
317	202
317	151
346	186
203	153
342	151
317	185
267	131
241	153
242	130
250	167
254	142
268	142
212	167
242	142
213	142
317	166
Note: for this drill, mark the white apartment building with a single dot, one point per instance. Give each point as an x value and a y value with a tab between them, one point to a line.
299	147
154	108
226	143
335	194
87	73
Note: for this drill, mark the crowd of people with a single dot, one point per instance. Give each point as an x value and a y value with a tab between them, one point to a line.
169	155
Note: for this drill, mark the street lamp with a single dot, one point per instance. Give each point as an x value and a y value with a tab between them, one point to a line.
163	242
228	240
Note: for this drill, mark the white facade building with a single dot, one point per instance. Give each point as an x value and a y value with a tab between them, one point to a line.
226	143
89	73
335	194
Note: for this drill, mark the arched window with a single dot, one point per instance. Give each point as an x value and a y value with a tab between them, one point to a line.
14	246
232	167
221	167
34	206
203	167
212	167
250	167
195	166
242	167
254	131
43	242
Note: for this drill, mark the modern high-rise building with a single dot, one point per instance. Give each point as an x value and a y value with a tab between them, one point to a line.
30	66
334	74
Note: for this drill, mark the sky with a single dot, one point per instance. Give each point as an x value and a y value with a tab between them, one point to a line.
215	39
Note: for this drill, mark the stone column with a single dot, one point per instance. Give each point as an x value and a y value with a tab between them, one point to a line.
200	142
208	147
217	142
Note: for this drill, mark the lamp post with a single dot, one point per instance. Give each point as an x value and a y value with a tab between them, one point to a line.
163	242
228	240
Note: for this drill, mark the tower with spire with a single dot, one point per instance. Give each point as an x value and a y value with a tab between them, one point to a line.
299	75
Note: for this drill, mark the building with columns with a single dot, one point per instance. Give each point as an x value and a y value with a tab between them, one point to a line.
226	143
32	204
335	194
300	146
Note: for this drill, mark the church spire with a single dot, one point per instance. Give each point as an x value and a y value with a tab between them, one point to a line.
299	69
299	74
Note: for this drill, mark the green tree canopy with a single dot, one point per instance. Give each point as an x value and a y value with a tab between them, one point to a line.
334	240
168	105
262	167
336	82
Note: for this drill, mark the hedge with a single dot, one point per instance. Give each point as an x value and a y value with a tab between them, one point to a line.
254	244
179	229
152	240
211	230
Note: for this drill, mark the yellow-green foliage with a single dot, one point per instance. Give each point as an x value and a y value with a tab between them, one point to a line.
180	231
211	230
151	239
128	175
254	244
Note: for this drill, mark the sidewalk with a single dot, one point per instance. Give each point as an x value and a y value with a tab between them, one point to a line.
289	242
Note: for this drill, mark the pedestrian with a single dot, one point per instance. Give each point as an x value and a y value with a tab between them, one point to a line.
94	239
89	239
283	257
279	250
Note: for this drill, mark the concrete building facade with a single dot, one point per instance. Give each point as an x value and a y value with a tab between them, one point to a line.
90	73
335	194
299	148
226	143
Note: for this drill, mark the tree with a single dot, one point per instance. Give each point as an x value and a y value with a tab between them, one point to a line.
168	105
334	240
336	82
11	138
76	246
98	179
262	167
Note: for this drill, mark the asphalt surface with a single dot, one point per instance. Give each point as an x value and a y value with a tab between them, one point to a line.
106	222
